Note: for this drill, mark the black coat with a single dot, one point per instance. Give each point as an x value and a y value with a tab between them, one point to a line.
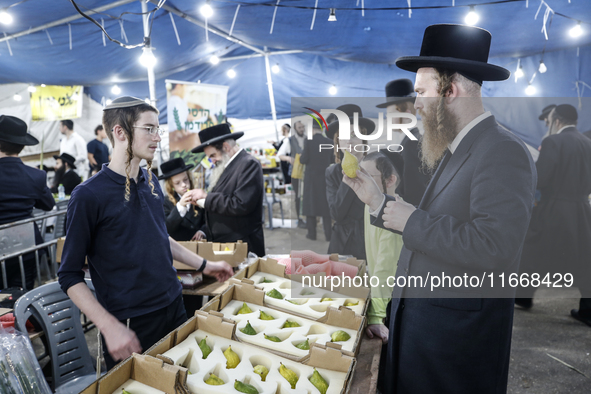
70	180
473	218
414	179
347	210
234	207
559	235
183	228
316	162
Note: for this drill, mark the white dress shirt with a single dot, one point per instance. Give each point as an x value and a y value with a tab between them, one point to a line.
75	146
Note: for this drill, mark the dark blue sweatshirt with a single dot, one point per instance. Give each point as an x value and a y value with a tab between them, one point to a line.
126	243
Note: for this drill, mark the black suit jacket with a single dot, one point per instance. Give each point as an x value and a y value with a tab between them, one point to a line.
234	207
23	188
70	180
414	179
183	228
473	218
316	161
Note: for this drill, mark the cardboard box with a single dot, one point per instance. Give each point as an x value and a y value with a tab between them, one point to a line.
342	317
326	357
236	252
59	249
192	246
148	370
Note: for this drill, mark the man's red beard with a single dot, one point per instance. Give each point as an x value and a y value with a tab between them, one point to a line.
438	133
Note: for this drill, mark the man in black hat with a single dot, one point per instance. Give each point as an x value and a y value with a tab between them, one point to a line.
558	239
401	98
472	220
115	220
23	188
64	174
545	113
234	203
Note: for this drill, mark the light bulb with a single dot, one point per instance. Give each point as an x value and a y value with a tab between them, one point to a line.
43	85
542	69
147	59
231	73
519	73
471	17
530	90
332	90
576	31
109	101
5	18
32	89
206	10
115	89
275	69
332	17
17	97
214	60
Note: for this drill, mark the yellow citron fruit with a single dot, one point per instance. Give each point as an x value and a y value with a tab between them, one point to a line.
352	304
232	358
318	381
244	310
340	336
214	380
350	165
289	375
262	371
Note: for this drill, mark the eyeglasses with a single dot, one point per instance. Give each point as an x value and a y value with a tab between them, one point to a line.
152	130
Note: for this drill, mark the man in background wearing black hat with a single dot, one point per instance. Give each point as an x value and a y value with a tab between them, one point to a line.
401	98
559	235
472	220
545	113
64	174
234	203
23	188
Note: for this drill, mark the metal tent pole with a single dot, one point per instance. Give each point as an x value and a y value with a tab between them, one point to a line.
271	95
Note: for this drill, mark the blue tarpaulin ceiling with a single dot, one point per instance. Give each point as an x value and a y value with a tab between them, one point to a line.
356	53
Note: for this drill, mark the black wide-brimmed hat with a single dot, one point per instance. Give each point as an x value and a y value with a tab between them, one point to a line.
460	48
567	111
14	130
546	111
174	167
214	134
65	157
349	109
398	91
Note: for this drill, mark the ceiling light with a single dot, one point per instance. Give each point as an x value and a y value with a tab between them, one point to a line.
332	17
471	17
576	31
275	69
32	89
116	89
214	60
5	18
43	85
542	69
206	10
519	72
530	90
231	73
147	101
147	59
332	90
17	97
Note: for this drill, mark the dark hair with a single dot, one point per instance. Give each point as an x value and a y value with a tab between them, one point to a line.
68	123
384	166
10	149
97	128
287	125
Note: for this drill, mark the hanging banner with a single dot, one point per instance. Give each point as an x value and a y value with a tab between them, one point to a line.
192	107
56	103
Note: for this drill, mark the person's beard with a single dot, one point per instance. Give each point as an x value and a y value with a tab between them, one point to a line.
217	170
59	174
438	135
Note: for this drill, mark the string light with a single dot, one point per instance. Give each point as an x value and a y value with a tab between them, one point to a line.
109	101
5	18
231	73
147	59
542	69
206	10
332	90
115	89
332	17
32	89
17	97
472	17
518	71
576	31
275	69
214	60
530	90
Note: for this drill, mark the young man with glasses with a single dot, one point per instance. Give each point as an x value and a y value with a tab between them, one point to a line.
116	221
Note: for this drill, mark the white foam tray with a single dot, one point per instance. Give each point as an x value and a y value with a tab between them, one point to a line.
291	336
135	387
308	300
188	354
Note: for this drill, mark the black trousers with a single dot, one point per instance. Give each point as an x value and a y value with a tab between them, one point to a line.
13	272
326	223
152	327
